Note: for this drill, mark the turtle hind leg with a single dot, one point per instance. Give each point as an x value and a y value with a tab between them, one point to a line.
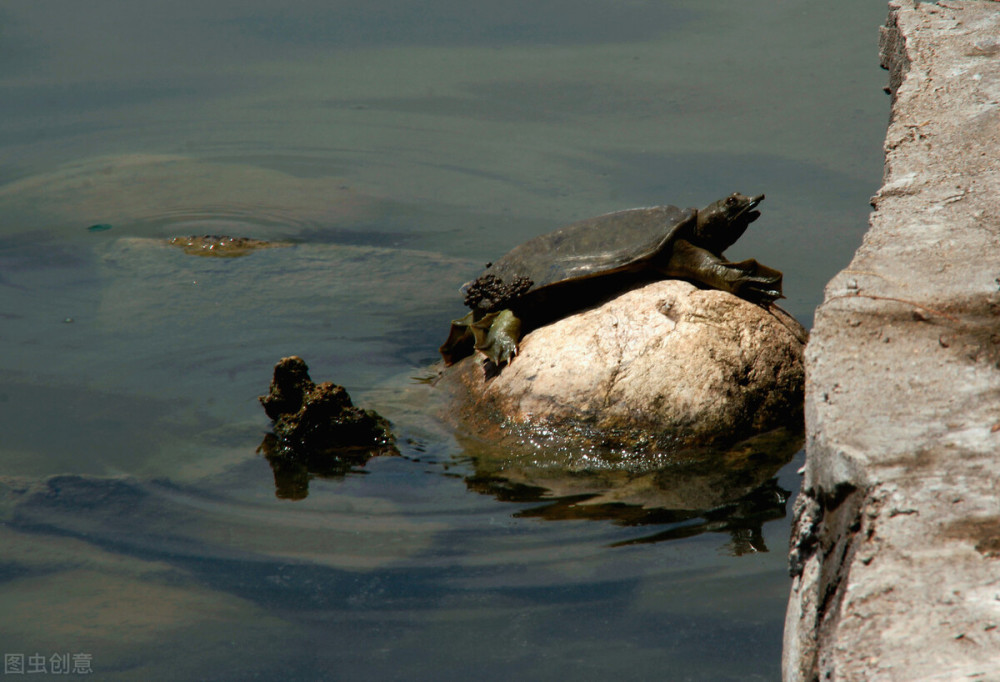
496	336
747	279
461	340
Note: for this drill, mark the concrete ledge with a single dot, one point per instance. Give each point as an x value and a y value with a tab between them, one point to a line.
896	545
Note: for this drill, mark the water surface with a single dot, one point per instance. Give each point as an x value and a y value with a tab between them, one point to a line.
395	148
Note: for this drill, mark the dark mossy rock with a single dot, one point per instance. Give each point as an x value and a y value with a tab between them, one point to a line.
318	423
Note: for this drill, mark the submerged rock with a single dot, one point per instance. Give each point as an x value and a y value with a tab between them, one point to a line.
656	368
221	246
317	429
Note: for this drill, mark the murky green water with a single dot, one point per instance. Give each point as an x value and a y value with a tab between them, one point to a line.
397	147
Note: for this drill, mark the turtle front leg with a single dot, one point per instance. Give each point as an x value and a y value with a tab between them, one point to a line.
747	279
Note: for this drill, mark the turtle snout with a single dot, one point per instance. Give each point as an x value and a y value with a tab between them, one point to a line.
748	213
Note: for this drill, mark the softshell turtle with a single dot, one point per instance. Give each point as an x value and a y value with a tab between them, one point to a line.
552	275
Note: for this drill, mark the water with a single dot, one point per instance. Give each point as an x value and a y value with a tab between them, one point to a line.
396	148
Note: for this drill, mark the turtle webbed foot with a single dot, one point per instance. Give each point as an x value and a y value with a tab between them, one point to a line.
497	335
494	335
758	282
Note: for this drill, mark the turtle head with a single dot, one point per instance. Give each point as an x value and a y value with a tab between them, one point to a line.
724	221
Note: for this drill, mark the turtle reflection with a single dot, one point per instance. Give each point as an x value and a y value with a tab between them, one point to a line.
690	492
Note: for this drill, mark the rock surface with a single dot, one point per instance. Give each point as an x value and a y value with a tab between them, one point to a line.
658	367
896	546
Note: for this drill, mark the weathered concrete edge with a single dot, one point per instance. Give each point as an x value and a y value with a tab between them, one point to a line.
896	540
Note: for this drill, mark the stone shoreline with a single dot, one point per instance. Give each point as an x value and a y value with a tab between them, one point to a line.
895	551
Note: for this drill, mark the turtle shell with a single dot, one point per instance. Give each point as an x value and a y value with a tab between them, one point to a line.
576	264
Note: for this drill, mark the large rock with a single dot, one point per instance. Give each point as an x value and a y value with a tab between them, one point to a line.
658	367
896	546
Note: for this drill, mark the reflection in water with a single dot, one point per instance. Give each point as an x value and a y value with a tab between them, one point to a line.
743	518
693	491
695	478
293	469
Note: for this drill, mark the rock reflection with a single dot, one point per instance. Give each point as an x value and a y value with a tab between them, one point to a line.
691	492
293	469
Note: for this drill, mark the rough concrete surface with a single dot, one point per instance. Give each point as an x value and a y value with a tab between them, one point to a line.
668	359
896	547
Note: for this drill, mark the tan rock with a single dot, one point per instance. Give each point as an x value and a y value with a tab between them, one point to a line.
661	366
894	561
